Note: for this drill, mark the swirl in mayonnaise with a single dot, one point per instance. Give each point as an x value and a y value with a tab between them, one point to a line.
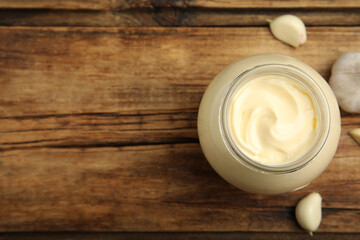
272	119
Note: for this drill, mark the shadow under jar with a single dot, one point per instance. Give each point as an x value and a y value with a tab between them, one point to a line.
279	146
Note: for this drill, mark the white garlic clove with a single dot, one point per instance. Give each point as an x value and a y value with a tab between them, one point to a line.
345	81
308	212
289	29
355	133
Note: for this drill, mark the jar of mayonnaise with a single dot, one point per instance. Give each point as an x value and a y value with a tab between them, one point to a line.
269	124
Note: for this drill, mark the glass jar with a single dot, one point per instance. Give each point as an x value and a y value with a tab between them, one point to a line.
229	161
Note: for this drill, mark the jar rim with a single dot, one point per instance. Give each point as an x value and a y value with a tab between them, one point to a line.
321	107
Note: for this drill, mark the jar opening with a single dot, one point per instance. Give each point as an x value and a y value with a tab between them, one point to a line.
308	85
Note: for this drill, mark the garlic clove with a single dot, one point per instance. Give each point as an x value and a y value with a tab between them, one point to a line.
308	212
345	81
355	133
289	29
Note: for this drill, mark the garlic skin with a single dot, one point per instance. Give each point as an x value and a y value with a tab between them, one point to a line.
289	29
345	81
355	133
308	212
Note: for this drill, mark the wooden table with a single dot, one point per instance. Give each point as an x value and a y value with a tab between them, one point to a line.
98	109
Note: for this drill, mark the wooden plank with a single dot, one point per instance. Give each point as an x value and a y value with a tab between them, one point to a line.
274	4
155	188
63	4
71	18
47	71
123	4
177	236
345	17
99	129
171	17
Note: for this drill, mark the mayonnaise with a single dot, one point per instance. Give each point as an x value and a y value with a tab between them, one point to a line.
272	119
270	109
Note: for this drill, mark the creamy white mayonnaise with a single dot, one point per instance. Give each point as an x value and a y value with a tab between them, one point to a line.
272	119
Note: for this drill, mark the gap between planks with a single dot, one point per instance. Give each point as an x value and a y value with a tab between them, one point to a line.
174	17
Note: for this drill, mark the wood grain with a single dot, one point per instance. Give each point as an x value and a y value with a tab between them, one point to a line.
177	236
99	129
63	4
224	17
155	188
274	4
125	4
41	17
47	71
98	132
172	17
